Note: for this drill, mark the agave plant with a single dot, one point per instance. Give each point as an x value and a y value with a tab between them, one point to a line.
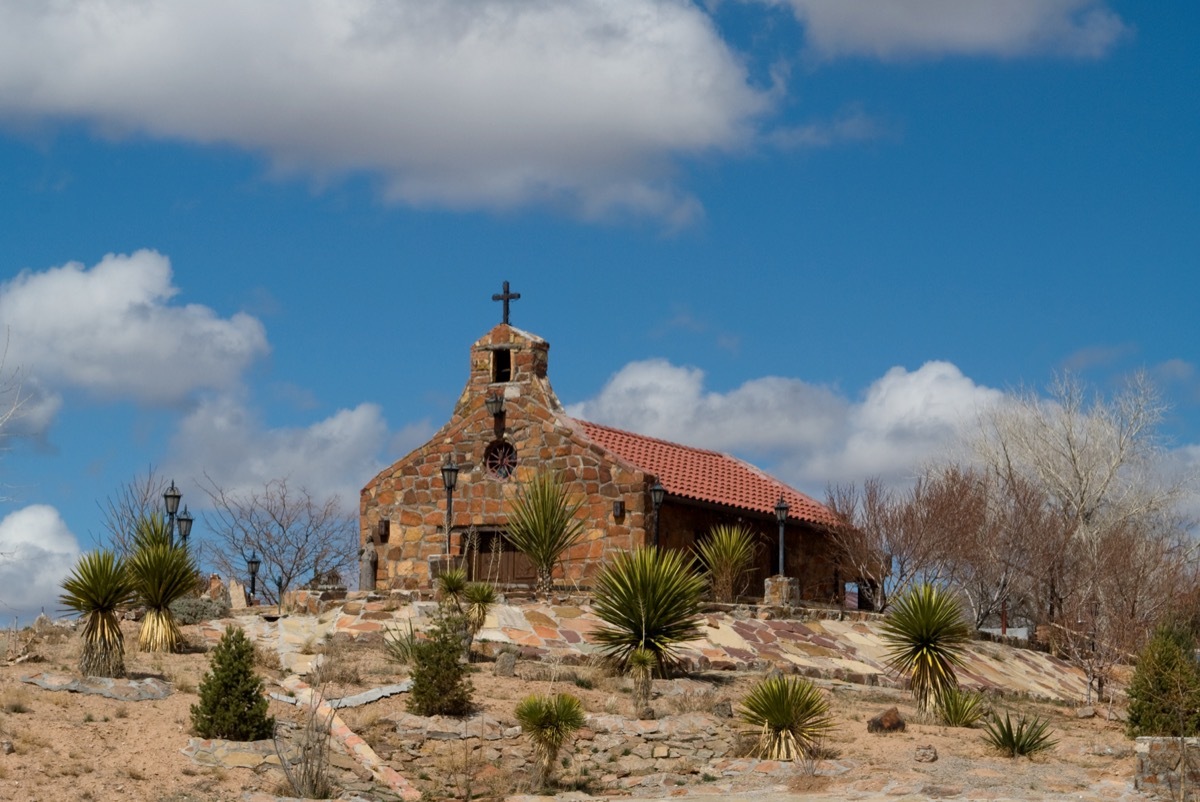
549	721
98	588
959	708
926	633
648	599
789	715
727	553
1025	737
161	574
542	524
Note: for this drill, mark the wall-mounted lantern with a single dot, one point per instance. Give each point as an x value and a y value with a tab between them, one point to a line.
495	405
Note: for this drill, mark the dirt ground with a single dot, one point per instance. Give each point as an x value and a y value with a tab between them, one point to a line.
69	746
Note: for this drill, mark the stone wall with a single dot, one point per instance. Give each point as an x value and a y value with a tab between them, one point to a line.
610	750
1158	762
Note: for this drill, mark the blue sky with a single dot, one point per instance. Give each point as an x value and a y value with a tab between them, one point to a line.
256	241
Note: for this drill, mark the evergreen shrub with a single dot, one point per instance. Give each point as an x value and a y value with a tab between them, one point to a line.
1164	692
232	704
440	685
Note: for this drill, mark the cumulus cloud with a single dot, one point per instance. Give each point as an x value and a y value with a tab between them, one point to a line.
37	551
111	330
225	440
454	103
810	434
908	28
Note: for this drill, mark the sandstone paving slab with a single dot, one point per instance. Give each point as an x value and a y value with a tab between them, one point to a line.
125	690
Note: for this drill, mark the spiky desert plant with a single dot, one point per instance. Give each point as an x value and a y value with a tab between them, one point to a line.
161	574
1027	736
542	524
647	599
549	721
925	632
477	600
641	666
232	703
451	584
789	716
98	588
152	530
401	644
959	708
727	553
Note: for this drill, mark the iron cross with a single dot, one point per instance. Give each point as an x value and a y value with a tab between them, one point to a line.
506	296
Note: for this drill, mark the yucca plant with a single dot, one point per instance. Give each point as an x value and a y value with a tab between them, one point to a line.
98	588
549	721
925	632
152	530
959	708
477	599
161	574
647	599
641	666
727	554
451	584
401	644
1027	737
789	715
542	524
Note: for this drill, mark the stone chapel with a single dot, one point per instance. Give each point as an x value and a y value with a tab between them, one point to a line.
507	425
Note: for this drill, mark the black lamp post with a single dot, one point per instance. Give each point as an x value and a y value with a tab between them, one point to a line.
279	588
657	494
171	498
781	515
252	566
184	521
449	481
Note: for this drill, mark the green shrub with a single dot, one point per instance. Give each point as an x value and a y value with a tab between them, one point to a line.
959	708
789	715
1164	692
727	553
1027	737
549	721
440	686
648	599
194	610
926	633
232	704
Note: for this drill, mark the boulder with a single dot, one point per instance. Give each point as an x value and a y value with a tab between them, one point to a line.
887	721
723	709
926	754
506	665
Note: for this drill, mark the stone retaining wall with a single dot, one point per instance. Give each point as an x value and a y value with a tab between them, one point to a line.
613	751
1158	762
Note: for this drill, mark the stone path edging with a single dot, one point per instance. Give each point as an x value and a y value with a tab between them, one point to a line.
124	690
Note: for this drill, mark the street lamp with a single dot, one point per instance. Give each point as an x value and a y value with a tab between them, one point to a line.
449	481
171	498
657	494
184	521
252	566
781	515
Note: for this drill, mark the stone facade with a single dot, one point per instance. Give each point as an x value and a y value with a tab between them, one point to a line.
403	508
1158	767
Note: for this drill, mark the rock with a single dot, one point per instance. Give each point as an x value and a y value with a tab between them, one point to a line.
723	709
926	754
506	665
647	714
1085	712
774	673
237	595
887	721
7	747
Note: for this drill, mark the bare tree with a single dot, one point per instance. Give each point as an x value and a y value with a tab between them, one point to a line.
1096	461
297	536
138	499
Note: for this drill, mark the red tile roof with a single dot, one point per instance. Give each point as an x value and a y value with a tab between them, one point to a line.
704	475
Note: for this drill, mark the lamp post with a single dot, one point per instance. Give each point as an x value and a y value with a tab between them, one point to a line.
184	522
181	522
657	494
781	514
449	481
252	566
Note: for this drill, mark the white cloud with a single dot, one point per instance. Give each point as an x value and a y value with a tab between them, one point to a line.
37	551
226	441
455	103
111	330
811	434
907	28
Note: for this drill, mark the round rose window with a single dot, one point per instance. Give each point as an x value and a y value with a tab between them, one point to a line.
500	459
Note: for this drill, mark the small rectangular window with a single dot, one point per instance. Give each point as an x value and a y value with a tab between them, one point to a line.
501	365
384	530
